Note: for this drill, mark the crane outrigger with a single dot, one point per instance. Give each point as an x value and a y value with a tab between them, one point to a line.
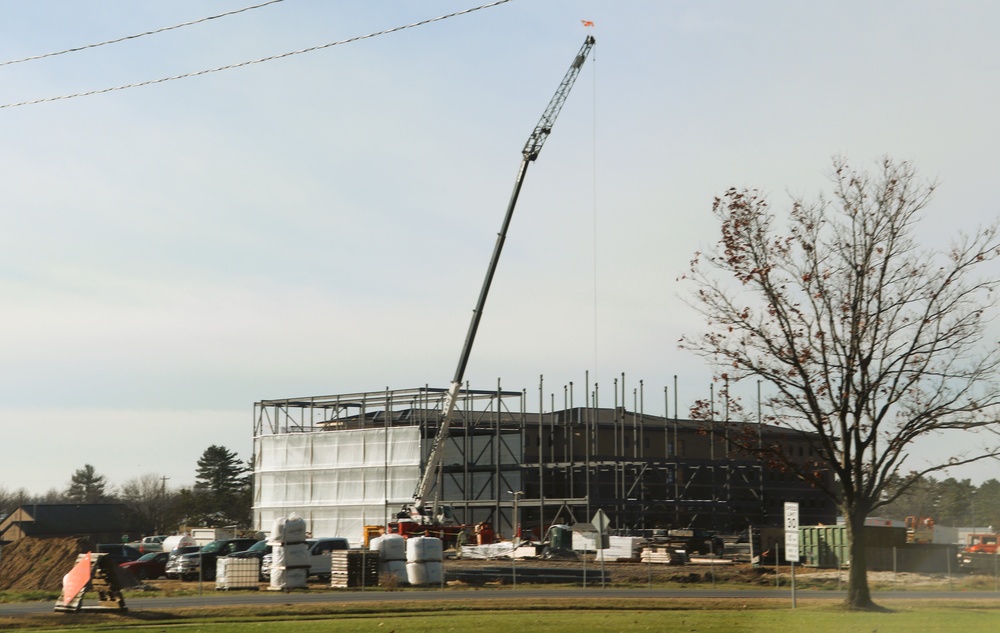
418	514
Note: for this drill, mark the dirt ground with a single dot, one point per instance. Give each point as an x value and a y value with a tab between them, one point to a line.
37	564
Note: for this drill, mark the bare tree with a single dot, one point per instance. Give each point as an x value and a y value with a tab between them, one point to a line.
148	497
865	341
9	501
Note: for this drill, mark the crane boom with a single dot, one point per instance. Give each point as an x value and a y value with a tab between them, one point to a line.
529	154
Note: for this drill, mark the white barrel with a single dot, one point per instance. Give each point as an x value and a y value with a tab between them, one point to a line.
422	549
395	568
390	547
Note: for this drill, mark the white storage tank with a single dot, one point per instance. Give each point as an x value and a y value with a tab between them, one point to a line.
178	540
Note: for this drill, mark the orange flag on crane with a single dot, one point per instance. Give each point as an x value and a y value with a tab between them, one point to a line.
587	23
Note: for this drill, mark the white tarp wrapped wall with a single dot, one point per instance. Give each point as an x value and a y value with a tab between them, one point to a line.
338	481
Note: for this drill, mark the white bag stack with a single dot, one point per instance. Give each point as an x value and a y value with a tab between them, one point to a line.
289	553
391	550
286	531
423	560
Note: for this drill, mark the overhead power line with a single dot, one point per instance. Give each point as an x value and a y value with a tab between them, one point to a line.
138	35
254	61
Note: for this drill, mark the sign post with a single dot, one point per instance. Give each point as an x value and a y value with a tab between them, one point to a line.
792	539
602	523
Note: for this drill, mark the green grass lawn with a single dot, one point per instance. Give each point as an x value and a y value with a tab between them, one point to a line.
524	616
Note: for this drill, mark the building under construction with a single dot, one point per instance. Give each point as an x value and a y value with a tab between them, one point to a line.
346	461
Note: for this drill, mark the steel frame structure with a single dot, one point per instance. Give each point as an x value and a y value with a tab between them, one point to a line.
644	471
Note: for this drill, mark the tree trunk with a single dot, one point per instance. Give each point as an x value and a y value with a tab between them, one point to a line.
858	594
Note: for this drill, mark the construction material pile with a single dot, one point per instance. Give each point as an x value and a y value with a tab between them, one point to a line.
38	564
290	560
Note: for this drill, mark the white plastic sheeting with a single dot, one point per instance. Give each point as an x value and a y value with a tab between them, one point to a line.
337	481
502	549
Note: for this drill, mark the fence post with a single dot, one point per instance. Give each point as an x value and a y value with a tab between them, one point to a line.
894	566
777	566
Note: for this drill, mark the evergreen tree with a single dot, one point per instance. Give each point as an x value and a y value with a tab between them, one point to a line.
86	486
222	491
987	500
220	472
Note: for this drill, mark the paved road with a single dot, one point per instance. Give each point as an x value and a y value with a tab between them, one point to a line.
213	598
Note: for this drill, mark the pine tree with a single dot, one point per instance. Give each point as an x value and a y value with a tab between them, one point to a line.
221	494
86	486
220	472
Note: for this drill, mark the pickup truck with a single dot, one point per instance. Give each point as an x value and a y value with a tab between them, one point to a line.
202	562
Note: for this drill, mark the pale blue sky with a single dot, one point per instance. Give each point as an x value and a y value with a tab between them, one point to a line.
320	224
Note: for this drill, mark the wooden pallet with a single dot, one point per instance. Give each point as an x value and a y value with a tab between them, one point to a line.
353	568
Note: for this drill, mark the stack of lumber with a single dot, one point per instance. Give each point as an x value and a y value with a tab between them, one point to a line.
662	556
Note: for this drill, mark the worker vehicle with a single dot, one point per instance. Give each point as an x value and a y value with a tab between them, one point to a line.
689	540
437	520
979	553
981	543
173	568
202	562
919	529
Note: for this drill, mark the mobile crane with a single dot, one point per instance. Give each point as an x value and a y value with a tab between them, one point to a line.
415	518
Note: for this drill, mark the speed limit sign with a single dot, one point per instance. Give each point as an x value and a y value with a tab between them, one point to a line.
791	531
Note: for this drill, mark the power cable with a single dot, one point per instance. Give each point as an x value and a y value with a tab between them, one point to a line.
255	61
138	35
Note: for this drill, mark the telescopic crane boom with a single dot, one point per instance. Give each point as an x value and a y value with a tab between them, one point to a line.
529	154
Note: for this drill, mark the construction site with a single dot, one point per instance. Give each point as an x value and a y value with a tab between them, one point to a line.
458	459
348	461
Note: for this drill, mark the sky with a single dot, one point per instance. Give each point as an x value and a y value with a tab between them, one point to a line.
321	223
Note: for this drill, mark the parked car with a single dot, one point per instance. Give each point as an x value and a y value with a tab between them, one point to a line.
119	552
319	556
174	561
202	562
151	544
148	566
258	550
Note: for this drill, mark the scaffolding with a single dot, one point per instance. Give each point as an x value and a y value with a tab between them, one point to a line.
346	461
